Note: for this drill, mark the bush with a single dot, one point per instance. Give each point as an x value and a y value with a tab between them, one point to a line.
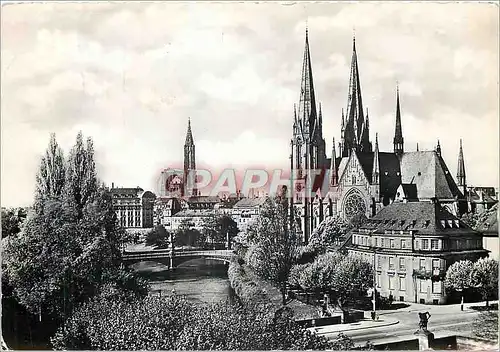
158	237
245	288
173	323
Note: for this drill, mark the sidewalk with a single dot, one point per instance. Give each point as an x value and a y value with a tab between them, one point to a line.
360	325
445	308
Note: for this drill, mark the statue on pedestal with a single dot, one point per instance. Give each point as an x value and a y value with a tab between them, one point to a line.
424	319
425	337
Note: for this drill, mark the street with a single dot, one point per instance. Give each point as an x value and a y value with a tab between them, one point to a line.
443	318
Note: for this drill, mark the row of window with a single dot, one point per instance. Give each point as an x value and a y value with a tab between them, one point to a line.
399	283
436	263
425	244
127	218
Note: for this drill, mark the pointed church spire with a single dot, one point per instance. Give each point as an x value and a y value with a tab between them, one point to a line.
189	164
333	167
307	104
343	122
356	130
189	134
438	148
320	115
376	167
398	134
367	120
461	180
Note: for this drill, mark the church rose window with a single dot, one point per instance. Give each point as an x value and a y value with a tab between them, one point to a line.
354	205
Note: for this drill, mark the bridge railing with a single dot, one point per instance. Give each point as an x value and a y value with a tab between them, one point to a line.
168	253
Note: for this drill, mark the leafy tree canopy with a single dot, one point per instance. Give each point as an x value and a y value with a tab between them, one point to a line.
344	278
484	275
173	323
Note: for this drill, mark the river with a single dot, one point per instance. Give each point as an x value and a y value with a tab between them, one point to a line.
199	280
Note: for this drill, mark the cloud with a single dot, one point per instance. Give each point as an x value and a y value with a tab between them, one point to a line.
130	74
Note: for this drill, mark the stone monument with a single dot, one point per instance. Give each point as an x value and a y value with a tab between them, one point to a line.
425	337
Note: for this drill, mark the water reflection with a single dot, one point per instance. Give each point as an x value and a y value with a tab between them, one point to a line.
199	280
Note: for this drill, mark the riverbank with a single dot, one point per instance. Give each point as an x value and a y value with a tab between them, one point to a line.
250	288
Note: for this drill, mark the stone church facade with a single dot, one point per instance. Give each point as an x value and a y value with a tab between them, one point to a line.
362	178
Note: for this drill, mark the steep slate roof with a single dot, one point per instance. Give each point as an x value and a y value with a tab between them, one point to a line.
250	202
203	199
194	213
328	162
390	175
422	217
127	190
428	171
389	183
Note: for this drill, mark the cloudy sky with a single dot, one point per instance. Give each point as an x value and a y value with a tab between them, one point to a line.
130	74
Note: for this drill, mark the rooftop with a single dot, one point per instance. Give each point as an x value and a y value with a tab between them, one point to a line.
250	202
423	217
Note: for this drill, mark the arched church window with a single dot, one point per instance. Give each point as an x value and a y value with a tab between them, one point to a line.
354	204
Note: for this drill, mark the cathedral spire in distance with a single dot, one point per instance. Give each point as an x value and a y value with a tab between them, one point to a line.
438	148
398	133
189	134
356	130
189	163
376	164
461	180
307	103
333	167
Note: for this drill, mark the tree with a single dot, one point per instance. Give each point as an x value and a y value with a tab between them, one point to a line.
70	246
12	221
330	233
484	275
217	228
186	235
343	278
209	228
51	175
273	246
458	278
173	323
228	228
81	180
158	237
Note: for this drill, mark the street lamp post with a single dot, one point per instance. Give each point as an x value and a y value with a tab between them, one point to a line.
374	293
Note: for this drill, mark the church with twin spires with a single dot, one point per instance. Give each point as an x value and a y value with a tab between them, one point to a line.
362	178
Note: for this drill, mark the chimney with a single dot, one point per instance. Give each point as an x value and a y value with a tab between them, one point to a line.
112	185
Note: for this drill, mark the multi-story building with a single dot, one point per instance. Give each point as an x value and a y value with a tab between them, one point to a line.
246	211
133	206
362	178
411	245
193	218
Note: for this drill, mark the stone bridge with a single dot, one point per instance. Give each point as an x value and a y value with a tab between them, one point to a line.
174	258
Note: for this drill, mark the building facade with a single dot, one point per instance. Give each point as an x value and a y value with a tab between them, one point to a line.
361	178
246	211
411	245
133	206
